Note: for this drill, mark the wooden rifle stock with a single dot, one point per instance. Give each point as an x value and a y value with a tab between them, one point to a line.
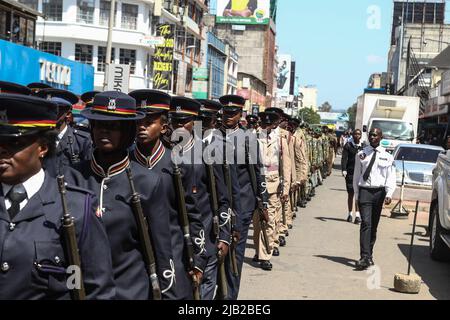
144	237
70	240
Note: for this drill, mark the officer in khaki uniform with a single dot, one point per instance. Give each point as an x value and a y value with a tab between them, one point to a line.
285	174
300	160
333	142
269	146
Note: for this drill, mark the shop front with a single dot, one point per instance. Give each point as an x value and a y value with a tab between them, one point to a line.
25	65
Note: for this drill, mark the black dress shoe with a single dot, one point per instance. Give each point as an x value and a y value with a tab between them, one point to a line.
256	259
266	265
290	226
276	252
350	219
371	262
357	220
286	233
303	204
363	264
282	241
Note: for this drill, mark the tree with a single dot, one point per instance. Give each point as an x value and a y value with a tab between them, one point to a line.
352	116
309	115
326	107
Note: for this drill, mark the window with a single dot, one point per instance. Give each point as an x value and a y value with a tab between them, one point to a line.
83	53
101	58
85	12
105	8
52	9
129	16
30	3
51	47
30	33
128	56
3	24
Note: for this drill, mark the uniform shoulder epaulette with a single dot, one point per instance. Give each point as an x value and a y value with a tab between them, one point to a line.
82	133
74	188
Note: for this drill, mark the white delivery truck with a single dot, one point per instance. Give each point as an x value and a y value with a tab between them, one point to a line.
396	116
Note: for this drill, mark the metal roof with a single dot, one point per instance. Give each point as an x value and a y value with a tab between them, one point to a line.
441	61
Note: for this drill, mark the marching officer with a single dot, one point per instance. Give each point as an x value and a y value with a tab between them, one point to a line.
244	155
252	122
14	88
35	87
111	174
35	261
184	112
269	150
152	152
301	161
72	145
374	184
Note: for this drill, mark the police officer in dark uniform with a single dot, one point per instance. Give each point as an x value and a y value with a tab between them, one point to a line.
13	88
113	119
152	153
184	112
252	122
34	263
35	87
242	153
72	145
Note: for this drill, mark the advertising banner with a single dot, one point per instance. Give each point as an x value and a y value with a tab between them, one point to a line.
118	78
284	75
24	65
163	58
243	11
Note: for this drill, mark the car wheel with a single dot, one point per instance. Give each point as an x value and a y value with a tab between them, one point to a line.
438	249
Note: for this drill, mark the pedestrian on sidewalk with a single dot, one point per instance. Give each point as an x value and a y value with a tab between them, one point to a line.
351	148
374	184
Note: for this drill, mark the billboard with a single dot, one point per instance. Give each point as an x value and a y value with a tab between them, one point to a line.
163	58
243	11
284	75
24	65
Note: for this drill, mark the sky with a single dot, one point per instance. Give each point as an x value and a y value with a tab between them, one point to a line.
336	44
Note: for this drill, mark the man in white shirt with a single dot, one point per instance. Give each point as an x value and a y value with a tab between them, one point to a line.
374	184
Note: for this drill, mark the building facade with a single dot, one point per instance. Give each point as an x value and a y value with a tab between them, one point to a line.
309	99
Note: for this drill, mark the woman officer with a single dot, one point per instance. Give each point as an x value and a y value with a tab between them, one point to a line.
112	118
34	263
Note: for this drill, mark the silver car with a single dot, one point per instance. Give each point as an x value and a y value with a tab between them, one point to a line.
419	161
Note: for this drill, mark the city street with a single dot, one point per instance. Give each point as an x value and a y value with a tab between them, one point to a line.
318	262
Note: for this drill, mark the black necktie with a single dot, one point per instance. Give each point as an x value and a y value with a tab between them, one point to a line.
16	195
369	168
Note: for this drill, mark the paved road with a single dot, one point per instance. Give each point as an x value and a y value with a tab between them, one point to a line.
318	262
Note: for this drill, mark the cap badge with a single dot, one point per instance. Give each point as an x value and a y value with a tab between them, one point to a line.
49	96
143	103
112	105
178	109
3	117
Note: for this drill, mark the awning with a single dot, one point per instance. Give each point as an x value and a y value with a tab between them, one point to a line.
442	61
22	7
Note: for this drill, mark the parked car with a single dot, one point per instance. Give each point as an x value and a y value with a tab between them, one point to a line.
419	161
439	223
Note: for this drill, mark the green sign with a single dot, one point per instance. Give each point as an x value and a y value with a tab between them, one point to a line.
200	74
200	89
241	20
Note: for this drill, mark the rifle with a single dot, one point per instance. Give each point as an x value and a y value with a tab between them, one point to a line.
227	174
74	157
144	237
70	240
262	222
183	218
222	283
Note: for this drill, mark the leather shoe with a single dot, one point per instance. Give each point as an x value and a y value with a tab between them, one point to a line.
256	259
282	241
266	265
371	262
363	264
357	220
275	252
350	219
290	226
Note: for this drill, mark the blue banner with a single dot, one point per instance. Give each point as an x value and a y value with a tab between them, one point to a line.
24	65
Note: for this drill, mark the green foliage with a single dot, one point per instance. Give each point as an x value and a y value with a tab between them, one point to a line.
352	116
309	115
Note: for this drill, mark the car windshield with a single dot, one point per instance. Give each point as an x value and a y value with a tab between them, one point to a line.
418	155
395	130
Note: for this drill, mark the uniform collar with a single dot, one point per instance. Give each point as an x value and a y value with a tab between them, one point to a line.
151	160
113	170
32	185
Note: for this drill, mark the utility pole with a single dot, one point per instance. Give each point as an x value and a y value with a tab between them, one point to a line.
112	17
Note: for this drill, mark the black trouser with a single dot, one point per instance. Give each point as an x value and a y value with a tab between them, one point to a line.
370	206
